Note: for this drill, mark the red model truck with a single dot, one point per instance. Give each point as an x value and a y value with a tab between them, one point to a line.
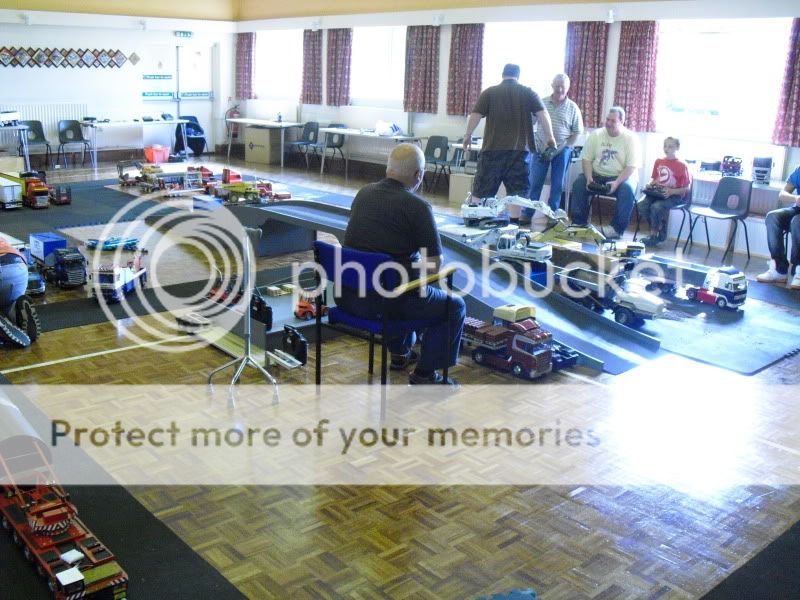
513	342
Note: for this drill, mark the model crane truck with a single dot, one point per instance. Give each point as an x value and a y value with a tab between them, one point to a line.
513	343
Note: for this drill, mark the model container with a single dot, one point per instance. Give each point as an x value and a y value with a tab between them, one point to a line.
10	194
44	244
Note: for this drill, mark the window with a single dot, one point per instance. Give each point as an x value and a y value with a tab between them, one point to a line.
377	70
279	64
721	78
537	47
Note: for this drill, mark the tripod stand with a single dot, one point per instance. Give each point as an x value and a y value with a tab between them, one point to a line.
247	358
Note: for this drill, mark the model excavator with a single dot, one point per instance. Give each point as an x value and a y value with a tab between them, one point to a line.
489	213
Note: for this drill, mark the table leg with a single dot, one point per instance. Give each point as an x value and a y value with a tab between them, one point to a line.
283	136
25	153
230	139
324	151
94	148
185	141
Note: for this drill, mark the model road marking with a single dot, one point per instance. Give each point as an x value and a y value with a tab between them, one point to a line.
91	355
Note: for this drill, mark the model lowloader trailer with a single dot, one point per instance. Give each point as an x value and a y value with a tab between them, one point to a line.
514	342
630	303
724	286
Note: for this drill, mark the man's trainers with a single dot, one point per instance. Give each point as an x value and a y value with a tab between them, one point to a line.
27	319
771	275
795	284
400	362
609	232
433	378
651	241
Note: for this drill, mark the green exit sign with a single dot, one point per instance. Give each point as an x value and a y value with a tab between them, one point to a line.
183	34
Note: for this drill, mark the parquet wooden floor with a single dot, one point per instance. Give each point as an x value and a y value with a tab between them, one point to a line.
452	542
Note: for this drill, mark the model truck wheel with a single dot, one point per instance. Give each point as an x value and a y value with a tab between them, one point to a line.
691	294
721	302
478	356
517	370
624	316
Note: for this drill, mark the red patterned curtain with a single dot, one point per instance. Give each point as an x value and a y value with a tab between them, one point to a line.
421	92
787	124
245	65
635	90
585	63
340	48
312	67
464	81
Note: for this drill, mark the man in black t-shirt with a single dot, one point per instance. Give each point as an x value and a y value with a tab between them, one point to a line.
505	155
388	217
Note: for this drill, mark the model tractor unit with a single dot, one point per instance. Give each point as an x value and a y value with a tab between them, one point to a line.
66	267
114	282
630	302
514	342
726	287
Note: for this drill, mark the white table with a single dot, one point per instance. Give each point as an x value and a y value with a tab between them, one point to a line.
266	124
324	131
93	126
22	134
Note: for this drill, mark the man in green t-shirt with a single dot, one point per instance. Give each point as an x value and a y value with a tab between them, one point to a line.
610	156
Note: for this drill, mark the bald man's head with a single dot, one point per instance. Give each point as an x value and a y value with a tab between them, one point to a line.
407	165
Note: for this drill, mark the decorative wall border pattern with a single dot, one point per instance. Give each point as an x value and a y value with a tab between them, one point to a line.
54	57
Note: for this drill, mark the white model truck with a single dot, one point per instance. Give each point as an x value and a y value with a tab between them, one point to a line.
519	247
726	287
627	298
113	282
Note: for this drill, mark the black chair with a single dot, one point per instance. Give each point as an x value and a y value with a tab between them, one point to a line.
334	141
70	132
731	202
36	137
331	258
308	142
195	136
436	154
684	205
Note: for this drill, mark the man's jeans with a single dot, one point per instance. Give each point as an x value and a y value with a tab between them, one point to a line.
579	201
412	306
779	222
13	281
558	171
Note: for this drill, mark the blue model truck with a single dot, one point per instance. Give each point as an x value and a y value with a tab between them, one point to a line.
114	282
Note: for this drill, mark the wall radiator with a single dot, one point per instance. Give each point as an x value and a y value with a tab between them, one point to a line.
49	114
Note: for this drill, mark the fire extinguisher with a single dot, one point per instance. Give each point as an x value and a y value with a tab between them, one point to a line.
232	113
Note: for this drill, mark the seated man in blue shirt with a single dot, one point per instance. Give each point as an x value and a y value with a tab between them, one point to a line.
778	222
388	217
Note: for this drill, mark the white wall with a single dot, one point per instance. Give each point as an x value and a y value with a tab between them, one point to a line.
113	93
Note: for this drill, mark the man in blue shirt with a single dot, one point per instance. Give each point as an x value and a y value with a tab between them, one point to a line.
778	222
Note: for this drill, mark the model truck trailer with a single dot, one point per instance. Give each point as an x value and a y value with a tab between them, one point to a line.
519	247
10	193
629	301
66	267
724	286
514	342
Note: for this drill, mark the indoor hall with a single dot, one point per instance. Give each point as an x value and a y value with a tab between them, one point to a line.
675	538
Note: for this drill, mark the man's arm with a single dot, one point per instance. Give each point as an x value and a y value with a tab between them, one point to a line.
472	123
587	171
543	118
788	196
622	178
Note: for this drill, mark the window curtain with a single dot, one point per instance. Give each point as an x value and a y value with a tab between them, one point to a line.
421	92
787	123
245	65
635	90
464	81
312	67
585	63
340	48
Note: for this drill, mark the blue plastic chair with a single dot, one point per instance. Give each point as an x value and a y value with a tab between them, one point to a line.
326	256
